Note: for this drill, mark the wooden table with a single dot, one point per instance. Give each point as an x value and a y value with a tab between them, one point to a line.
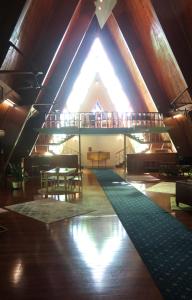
98	156
57	180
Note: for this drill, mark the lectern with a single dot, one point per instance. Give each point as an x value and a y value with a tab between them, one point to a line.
99	157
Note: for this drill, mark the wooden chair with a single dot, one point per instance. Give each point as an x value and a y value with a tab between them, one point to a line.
77	180
46	182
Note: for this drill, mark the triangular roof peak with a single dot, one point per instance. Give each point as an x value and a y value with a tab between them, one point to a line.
97	66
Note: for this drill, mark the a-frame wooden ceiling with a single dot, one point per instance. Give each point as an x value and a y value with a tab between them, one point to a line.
138	32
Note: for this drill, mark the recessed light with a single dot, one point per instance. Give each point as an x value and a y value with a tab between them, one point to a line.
99	7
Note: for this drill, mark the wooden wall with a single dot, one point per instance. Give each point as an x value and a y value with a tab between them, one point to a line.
181	133
176	21
140	162
150	48
33	164
38	34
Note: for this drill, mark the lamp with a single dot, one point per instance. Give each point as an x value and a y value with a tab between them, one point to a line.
104	10
2	133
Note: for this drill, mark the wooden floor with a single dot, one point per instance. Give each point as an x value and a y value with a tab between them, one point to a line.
85	257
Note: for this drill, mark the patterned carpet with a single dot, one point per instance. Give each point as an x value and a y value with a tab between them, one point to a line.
49	211
164	244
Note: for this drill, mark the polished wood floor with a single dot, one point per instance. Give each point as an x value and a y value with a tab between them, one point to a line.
85	257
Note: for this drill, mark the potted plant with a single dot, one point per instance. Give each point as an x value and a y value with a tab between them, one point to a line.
16	173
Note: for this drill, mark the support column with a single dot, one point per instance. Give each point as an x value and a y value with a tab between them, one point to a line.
80	152
125	155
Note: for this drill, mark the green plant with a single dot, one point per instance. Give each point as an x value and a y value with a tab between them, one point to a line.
190	173
16	172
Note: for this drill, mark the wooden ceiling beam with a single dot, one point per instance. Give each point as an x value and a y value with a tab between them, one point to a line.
37	35
135	20
78	61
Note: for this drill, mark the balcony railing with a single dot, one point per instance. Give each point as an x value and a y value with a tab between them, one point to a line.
104	120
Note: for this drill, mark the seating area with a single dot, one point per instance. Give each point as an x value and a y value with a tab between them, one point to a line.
61	181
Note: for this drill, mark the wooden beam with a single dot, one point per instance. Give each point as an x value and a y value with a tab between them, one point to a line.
59	67
137	20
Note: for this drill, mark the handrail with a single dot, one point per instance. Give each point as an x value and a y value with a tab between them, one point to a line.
43	140
173	102
71	150
177	97
119	151
119	156
103	119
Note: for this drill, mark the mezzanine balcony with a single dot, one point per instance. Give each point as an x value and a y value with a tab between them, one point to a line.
103	123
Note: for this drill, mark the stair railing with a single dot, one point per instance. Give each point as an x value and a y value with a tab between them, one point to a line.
119	157
182	100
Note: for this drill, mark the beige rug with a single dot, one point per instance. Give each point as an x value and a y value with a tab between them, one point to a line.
181	206
96	200
163	187
2	210
49	211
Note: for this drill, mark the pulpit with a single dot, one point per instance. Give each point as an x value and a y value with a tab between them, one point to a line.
99	157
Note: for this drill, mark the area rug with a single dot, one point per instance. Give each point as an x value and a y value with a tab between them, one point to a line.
49	211
164	243
181	206
2	210
163	187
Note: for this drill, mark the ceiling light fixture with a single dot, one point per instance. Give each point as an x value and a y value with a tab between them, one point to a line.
104	10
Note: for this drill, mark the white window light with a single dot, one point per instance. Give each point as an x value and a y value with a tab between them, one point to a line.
97	62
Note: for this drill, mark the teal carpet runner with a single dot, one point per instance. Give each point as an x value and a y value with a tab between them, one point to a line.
164	244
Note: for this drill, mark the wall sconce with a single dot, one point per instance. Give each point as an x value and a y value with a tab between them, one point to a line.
2	133
178	116
9	102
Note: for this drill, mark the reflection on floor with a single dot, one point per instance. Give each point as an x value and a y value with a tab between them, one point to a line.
86	257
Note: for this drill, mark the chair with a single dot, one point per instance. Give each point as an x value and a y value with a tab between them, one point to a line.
47	181
57	185
77	179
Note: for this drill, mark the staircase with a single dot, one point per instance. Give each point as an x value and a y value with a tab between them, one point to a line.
150	138
183	101
43	142
119	159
